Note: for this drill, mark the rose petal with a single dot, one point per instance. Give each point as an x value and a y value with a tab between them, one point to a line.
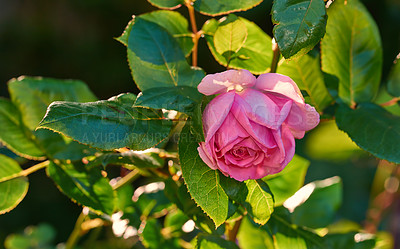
224	135
263	110
215	113
259	133
280	84
207	159
302	117
246	173
225	81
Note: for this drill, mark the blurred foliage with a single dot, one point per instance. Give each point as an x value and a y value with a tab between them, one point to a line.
74	39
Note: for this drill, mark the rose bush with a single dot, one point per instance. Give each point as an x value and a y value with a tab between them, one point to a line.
251	125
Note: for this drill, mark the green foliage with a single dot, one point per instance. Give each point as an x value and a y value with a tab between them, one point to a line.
272	212
129	159
289	180
328	143
154	55
108	124
352	51
14	134
202	182
11	191
212	191
167	4
230	37
153	239
39	237
181	197
259	201
214	8
306	72
378	133
393	85
85	186
214	242
174	23
288	235
254	55
319	209
183	98
350	240
300	25
252	236
32	95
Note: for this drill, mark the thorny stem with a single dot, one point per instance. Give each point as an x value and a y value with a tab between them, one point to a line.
26	172
234	231
275	58
391	102
127	179
196	33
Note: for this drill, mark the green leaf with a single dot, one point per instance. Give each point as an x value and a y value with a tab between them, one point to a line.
393	85
173	22
221	7
108	124
32	95
180	196
202	182
288	235
129	159
167	4
15	135
352	51
255	55
306	72
319	209
250	236
230	36
88	187
12	192
259	201
214	242
174	220
328	143
41	237
300	25
152	237
289	180
348	241
196	122
183	98
379	133
57	146
156	60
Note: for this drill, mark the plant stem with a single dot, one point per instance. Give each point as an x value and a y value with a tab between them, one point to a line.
196	33
275	58
234	231
127	179
76	233
27	171
391	102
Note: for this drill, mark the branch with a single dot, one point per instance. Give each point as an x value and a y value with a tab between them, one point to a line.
26	172
275	58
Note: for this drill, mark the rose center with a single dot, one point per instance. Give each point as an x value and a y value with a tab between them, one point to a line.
239	152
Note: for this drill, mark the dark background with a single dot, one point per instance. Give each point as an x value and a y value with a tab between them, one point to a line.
74	39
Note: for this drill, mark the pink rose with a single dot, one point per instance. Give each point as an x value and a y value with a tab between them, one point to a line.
251	125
